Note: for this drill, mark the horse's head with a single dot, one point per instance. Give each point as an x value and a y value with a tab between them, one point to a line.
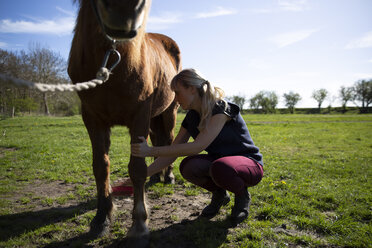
121	19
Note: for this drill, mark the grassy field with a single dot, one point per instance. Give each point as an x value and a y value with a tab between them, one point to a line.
316	192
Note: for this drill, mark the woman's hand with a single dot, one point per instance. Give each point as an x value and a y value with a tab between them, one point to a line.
141	149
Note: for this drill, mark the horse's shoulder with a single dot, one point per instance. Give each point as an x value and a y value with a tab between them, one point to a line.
169	45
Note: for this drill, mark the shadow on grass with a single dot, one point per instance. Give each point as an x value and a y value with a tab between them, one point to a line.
187	234
13	225
78	241
199	232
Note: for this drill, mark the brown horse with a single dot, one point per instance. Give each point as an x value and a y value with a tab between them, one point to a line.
137	95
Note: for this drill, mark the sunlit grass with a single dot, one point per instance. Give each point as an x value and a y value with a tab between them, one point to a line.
316	190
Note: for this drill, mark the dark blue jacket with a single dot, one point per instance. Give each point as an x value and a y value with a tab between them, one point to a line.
234	138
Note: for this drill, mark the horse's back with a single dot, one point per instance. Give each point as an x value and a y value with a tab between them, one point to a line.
170	47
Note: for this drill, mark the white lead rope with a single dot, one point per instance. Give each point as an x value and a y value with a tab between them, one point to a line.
102	76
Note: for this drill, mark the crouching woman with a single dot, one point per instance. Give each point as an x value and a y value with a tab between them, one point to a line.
232	163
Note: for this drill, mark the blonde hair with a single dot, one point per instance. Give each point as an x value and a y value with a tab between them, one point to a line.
208	93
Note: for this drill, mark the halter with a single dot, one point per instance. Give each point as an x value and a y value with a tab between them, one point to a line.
95	10
113	41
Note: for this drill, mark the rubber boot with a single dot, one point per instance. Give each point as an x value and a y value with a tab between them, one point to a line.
240	211
219	199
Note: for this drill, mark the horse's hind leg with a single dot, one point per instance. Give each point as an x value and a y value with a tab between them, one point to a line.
100	138
162	127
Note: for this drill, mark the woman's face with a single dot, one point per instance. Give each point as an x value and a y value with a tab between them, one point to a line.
184	95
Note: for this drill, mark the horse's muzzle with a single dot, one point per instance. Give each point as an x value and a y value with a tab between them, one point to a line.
121	20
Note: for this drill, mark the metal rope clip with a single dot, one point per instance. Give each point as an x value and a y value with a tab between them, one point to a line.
107	56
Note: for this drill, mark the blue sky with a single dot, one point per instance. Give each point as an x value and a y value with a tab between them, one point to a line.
243	46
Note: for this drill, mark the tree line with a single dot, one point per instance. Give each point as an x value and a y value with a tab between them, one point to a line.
42	65
266	101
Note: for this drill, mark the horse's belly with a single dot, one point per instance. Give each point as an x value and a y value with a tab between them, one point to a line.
119	109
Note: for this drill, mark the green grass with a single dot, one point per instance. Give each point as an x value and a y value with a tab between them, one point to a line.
316	191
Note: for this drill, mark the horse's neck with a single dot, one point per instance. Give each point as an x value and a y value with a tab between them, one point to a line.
131	51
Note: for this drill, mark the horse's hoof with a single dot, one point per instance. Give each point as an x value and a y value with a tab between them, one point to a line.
138	235
138	230
169	179
138	242
154	179
99	230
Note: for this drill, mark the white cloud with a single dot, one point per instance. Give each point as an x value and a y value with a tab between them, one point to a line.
220	11
286	39
292	5
163	21
167	19
66	12
61	26
3	44
284	5
363	42
358	76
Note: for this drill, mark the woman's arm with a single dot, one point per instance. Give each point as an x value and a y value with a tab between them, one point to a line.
202	141
162	162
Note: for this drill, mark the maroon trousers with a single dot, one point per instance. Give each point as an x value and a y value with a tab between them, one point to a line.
232	173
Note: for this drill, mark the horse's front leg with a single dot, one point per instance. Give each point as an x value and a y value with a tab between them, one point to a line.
100	139
138	172
137	168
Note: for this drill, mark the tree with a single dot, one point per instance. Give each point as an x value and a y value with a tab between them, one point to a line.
255	102
47	67
271	101
37	65
346	95
363	93
238	100
12	64
320	96
266	100
291	99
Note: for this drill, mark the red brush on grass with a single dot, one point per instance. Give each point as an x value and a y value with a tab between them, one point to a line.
122	189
